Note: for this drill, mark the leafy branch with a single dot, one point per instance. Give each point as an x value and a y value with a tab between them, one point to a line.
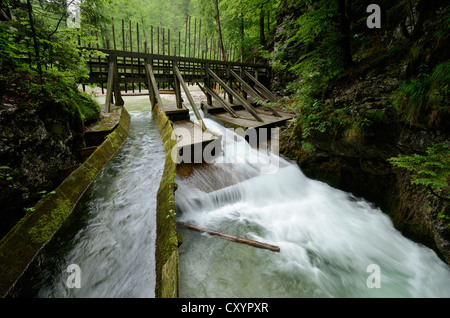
431	170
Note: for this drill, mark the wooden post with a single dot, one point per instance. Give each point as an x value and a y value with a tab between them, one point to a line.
251	91
131	59
185	36
209	92
157	40
261	87
230	83
195	35
151	39
163	41
124	48
123	35
109	87
154	96
189	97
116	86
189	38
179	100
208	84
114	34
168	41
139	60
229	237
244	103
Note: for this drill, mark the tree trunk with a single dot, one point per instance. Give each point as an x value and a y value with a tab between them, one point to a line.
219	30
242	36
35	40
262	37
344	29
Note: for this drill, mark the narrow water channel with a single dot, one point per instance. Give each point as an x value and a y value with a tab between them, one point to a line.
111	233
332	243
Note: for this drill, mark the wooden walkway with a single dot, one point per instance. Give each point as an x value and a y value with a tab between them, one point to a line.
162	68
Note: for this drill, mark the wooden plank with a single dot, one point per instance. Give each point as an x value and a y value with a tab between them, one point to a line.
189	97
177	58
232	238
245	103
206	90
251	91
246	121
266	92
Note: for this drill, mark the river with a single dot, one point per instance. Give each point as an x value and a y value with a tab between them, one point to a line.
332	244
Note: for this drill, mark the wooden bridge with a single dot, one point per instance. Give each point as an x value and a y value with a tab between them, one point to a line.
169	66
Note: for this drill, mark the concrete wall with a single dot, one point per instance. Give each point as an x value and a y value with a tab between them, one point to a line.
167	241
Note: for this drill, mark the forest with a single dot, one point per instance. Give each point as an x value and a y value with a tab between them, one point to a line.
372	103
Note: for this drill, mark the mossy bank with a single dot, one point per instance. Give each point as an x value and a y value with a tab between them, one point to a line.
20	246
167	238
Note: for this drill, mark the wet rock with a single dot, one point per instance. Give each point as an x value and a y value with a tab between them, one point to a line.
39	147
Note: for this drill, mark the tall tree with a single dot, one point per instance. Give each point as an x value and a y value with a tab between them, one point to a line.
262	38
219	30
344	28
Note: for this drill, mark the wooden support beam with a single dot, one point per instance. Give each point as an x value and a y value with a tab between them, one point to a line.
244	103
230	84
153	90
176	81
229	237
189	97
109	87
206	90
116	84
251	91
264	90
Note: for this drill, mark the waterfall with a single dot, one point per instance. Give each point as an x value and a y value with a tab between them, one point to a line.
332	243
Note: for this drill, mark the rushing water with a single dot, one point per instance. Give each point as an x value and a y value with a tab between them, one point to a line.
328	238
111	233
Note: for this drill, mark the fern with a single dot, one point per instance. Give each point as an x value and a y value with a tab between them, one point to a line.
431	170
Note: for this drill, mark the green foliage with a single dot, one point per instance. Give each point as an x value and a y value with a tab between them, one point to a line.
313	118
7	173
431	170
426	96
240	23
171	214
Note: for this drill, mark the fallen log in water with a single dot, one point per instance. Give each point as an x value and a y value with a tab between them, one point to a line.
229	237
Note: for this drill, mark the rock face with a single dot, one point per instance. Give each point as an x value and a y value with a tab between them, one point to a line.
360	166
39	146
